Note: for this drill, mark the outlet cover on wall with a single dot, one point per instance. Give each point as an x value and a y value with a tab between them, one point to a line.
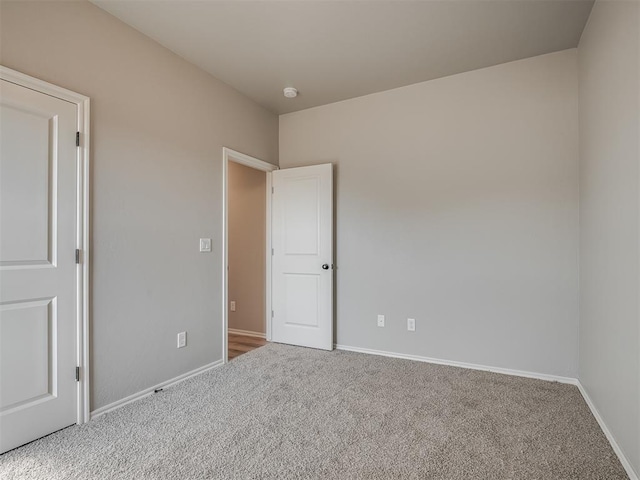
182	339
381	320
233	306
411	324
205	244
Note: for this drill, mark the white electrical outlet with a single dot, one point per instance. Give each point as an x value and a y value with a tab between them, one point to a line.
205	244
381	320
233	306
411	324
182	339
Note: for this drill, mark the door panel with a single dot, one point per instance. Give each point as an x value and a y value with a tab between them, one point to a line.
302	223
301	298
302	229
38	322
25	190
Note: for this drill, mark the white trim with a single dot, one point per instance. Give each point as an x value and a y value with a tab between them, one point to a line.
229	155
269	257
32	83
84	118
471	366
616	448
247	160
82	103
149	391
246	333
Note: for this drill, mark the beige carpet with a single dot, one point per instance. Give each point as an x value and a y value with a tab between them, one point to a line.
282	412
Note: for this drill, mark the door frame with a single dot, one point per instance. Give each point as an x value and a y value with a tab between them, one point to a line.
229	155
82	103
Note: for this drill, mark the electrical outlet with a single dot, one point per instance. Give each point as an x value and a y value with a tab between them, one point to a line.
182	339
233	306
411	324
381	320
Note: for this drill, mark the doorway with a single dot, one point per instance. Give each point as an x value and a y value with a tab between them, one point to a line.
247	253
298	263
247	258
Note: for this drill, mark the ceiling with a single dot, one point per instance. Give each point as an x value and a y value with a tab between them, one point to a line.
334	50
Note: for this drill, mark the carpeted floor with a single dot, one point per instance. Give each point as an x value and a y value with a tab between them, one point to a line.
283	412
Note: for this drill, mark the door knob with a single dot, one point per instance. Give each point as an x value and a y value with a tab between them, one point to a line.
325	266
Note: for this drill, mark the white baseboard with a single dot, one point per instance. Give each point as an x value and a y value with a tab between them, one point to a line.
471	366
519	373
149	391
633	475
246	333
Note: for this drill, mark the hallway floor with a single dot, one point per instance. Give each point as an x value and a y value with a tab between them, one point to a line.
239	344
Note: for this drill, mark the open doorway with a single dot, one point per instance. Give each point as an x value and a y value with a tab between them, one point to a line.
247	258
247	254
298	270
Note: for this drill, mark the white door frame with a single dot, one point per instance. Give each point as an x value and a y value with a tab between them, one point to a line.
229	155
82	223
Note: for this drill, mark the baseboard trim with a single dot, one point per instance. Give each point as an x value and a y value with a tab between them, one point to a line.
471	366
149	391
518	373
246	333
633	475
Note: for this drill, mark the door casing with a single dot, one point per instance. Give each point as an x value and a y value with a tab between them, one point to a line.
82	103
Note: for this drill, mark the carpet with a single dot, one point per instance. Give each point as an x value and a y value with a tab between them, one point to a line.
283	412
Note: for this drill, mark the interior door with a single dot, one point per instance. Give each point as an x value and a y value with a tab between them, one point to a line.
302	268
38	322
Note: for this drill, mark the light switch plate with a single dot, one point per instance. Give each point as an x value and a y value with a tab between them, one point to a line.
205	244
182	339
233	305
381	320
411	324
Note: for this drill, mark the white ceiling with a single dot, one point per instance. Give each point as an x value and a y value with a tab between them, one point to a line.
334	50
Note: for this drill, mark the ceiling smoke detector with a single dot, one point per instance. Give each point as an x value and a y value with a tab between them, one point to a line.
290	92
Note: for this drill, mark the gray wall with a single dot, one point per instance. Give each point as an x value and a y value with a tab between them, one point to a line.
457	204
247	246
158	126
609	65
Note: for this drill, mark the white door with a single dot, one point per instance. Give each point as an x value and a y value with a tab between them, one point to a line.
302	241
38	390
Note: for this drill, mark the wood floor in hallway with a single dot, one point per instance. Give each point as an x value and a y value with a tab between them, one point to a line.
239	344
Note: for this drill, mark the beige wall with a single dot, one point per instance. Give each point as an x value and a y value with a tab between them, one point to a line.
456	205
158	127
609	63
247	244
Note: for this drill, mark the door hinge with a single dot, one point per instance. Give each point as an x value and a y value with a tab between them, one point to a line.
77	255
272	252
77	374
271	313
273	189
77	139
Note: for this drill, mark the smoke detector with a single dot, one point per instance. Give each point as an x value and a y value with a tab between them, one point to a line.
290	92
